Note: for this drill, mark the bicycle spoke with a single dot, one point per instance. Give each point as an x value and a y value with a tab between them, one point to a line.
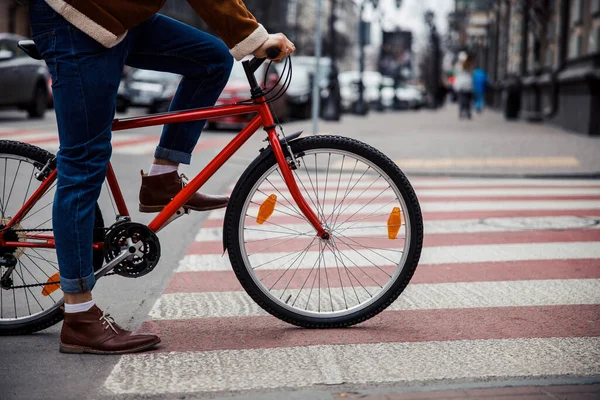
13	184
337	266
28	187
273	223
280	211
291	205
276	259
4	188
348	271
360	195
285	198
371	248
317	206
306	191
34	278
44	272
306	280
365	258
327	279
283	236
303	255
275	245
314	279
360	209
25	289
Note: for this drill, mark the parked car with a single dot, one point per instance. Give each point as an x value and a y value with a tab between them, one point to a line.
410	97
145	88
300	90
238	89
379	90
23	80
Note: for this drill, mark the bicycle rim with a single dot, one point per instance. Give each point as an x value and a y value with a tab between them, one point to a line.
363	259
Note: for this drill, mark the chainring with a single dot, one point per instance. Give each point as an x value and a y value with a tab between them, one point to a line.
137	265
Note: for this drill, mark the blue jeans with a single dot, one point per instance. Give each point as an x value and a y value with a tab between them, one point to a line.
479	101
85	80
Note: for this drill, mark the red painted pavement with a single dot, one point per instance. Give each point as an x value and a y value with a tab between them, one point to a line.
226	281
434	239
236	333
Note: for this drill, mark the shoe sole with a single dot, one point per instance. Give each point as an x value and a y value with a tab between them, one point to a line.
155	209
74	349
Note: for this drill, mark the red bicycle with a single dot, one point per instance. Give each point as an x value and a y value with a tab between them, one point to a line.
321	231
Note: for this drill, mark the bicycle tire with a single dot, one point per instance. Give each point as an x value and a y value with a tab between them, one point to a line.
242	193
53	314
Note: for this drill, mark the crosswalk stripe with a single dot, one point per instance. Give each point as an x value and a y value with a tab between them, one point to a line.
432	206
388	327
425	182
415	297
233	370
226	281
430	255
429	227
525	193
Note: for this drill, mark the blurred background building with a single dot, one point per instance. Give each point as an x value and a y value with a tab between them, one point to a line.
542	57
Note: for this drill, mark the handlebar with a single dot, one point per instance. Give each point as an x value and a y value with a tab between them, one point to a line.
255	63
251	66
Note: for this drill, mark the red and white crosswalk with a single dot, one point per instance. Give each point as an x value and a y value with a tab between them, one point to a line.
122	143
508	286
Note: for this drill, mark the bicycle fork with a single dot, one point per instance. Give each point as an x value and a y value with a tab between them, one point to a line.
290	181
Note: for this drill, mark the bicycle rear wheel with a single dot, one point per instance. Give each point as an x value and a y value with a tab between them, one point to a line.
26	309
366	204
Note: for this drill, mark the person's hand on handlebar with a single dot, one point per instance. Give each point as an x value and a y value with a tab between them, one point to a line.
278	40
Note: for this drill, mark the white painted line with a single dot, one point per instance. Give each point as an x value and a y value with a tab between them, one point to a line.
430	255
444	206
334	194
234	370
415	297
454	182
379	228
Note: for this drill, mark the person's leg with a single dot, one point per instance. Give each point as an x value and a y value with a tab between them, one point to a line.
85	79
164	44
204	61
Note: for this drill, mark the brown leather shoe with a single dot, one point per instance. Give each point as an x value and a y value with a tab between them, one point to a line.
158	190
95	332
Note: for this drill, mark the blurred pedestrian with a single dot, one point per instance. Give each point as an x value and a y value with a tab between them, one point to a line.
463	85
480	80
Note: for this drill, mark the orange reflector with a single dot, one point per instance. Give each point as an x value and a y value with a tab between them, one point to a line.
394	223
50	288
266	209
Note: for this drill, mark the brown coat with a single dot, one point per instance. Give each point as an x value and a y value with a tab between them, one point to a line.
108	21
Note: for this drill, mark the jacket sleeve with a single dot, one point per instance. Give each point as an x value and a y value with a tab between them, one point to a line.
232	22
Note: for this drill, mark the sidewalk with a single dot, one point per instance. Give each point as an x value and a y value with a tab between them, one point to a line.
437	142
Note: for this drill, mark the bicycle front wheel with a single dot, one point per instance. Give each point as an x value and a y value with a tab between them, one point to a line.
366	204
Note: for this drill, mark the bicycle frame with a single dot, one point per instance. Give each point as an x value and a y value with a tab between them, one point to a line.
263	118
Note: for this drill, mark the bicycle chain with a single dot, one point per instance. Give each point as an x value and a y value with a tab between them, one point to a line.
53	282
47	283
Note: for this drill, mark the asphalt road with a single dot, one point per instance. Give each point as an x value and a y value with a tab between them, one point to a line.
507	293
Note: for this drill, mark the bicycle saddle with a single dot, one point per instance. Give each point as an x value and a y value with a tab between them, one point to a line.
28	46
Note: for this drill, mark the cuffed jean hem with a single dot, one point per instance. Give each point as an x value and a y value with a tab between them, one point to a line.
172	155
80	285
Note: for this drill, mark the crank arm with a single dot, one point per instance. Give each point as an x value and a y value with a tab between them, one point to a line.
126	252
